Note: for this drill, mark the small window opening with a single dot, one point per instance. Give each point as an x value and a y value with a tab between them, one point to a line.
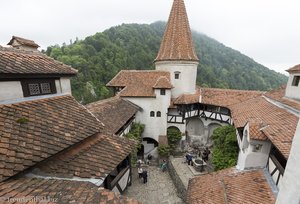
162	91
296	81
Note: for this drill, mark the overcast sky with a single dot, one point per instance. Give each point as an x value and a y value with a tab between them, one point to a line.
266	30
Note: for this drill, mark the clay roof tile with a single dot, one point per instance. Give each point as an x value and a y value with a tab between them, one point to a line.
177	43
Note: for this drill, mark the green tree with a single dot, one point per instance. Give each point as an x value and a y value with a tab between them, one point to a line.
135	134
174	136
225	149
98	58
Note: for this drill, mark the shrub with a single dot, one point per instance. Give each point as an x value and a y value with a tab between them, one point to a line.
163	150
174	136
135	134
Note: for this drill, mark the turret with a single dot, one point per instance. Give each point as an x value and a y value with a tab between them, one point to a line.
177	53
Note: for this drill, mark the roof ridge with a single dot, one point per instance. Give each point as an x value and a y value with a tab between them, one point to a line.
235	90
104	100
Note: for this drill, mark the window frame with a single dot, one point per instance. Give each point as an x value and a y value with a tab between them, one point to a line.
177	75
158	114
40	82
152	114
162	92
296	81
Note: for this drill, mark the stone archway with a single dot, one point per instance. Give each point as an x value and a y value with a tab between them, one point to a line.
211	128
195	126
150	147
195	130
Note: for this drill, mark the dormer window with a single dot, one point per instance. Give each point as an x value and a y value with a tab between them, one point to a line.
177	74
36	87
162	91
296	80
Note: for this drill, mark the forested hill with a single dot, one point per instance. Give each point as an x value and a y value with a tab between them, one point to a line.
134	46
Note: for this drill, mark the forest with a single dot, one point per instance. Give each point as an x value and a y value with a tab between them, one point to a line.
98	58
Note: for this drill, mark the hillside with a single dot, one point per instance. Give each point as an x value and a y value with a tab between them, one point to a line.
133	46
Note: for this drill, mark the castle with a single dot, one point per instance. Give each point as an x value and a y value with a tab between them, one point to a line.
266	122
51	144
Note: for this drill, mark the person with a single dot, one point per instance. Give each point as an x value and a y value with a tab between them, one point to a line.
149	157
205	154
189	158
140	172
145	176
139	163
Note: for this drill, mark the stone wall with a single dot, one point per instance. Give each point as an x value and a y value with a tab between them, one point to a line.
181	190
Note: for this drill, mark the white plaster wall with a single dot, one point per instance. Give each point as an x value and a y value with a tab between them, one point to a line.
187	79
10	90
290	186
154	126
124	180
292	91
195	126
249	159
63	85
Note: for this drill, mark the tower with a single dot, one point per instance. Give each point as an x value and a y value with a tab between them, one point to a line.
177	53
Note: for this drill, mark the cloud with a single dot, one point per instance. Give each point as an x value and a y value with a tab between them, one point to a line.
267	31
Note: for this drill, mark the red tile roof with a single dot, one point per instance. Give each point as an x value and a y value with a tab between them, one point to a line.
279	95
230	186
95	157
177	43
226	97
188	98
216	96
32	131
294	69
138	83
15	61
113	112
23	41
276	123
57	191
255	131
163	82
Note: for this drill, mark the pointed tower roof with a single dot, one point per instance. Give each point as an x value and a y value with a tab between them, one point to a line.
177	43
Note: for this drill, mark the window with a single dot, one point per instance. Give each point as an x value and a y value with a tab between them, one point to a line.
158	114
177	75
152	114
36	87
296	80
45	88
162	91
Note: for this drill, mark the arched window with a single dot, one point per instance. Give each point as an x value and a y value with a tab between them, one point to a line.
152	114
158	114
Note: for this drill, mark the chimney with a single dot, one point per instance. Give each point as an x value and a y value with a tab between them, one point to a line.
22	43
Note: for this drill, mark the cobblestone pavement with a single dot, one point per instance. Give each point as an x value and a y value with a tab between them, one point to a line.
159	189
